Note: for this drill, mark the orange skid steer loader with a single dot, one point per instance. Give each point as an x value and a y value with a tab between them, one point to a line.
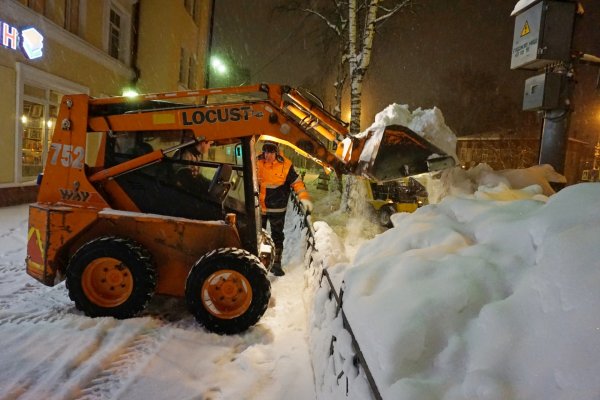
120	217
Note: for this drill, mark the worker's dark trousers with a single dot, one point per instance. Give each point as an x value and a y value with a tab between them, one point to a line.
277	221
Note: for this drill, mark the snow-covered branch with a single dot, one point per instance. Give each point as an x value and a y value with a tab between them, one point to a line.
391	11
337	29
356	43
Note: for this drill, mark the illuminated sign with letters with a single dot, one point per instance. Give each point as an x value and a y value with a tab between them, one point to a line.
29	40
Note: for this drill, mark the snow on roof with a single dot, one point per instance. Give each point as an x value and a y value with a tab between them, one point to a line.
521	5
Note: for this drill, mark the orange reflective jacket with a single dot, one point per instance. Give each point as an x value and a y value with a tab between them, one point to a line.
276	180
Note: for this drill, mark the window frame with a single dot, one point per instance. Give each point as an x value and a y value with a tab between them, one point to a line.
125	31
39	6
28	75
183	76
72	16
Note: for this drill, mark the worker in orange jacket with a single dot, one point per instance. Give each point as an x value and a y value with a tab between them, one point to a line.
277	178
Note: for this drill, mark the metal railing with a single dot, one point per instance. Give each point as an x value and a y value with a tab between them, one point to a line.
338	295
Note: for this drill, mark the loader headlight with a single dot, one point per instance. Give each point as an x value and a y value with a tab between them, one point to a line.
129	92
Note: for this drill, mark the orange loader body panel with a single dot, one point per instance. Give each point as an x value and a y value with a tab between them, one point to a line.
175	243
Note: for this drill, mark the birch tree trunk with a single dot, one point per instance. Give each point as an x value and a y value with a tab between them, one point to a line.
355	45
359	60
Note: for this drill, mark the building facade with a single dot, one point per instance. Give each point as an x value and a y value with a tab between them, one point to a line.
49	48
501	150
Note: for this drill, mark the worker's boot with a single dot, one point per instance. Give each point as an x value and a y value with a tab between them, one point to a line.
276	268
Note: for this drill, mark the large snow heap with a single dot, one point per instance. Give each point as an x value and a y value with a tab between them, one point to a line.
429	124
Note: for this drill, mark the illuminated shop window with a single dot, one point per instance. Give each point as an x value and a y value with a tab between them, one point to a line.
38	119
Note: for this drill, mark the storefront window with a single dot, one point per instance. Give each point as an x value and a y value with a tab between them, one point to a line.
40	110
33	136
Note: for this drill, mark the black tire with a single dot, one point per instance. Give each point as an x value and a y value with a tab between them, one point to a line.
111	277
385	215
227	290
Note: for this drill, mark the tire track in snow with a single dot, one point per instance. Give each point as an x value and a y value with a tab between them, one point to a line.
123	363
13	276
37	317
12	231
32	301
22	294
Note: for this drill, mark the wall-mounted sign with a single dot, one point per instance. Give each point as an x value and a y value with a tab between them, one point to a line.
29	40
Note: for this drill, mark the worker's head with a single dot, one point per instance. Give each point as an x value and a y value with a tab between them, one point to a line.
203	145
270	150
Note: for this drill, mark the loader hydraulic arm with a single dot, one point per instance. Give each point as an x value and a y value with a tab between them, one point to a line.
289	115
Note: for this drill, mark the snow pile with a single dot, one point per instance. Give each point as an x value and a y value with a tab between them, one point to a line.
521	5
490	294
510	184
429	124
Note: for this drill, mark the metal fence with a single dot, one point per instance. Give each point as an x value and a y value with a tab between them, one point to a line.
335	294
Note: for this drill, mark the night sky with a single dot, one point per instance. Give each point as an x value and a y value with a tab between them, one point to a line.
451	54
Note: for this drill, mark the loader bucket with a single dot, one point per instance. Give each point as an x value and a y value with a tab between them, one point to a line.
398	152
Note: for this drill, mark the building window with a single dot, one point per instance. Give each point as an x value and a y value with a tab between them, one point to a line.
182	66
187	70
38	99
193	8
192	65
38	118
118	32
39	6
114	38
190	6
72	16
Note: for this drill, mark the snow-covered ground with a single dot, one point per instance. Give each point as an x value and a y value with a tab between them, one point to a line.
492	293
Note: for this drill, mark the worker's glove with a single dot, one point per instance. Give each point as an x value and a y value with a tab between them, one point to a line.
308	205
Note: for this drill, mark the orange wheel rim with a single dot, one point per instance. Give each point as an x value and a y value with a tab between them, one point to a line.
226	294
107	282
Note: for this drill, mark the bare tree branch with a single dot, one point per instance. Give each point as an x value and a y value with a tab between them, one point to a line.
330	24
355	44
392	11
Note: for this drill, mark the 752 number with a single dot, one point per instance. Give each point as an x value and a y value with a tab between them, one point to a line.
69	156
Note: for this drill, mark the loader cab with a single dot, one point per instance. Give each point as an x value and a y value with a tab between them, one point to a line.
216	188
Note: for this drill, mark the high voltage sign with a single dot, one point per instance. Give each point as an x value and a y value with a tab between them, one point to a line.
525	30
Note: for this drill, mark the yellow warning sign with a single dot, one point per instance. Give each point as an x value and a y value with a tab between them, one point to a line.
525	29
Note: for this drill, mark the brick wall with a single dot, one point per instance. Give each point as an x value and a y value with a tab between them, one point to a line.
17	195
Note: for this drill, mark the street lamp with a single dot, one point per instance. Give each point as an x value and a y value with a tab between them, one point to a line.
218	65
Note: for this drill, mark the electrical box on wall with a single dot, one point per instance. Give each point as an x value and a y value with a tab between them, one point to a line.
543	92
543	34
